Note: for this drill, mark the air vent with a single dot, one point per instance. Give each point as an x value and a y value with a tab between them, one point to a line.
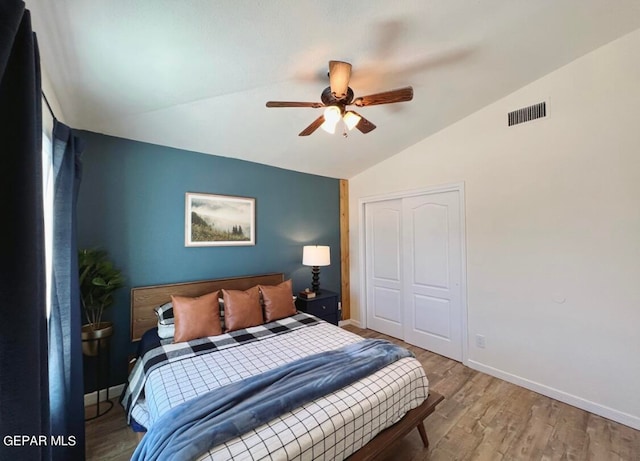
526	114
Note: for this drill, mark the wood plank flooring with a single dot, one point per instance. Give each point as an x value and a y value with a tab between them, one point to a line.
481	418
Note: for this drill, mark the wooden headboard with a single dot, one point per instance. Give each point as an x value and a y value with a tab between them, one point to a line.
145	299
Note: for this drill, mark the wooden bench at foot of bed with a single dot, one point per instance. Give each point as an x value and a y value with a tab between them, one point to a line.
412	420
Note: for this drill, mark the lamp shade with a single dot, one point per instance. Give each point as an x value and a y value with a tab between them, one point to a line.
331	118
351	119
316	255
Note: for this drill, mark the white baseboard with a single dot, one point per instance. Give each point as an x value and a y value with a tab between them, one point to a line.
114	391
355	323
584	404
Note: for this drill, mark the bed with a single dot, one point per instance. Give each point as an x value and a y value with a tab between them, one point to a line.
357	421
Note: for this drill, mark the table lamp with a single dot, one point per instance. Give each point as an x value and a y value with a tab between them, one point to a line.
316	256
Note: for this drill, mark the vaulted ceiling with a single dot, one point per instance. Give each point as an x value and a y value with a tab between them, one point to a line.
196	74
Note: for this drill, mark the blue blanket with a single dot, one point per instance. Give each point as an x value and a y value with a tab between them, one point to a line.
190	429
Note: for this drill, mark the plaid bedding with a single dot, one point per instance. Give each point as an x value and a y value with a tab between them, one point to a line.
331	427
170	352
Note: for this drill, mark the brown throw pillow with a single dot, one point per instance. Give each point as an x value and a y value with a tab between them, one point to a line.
242	309
196	317
278	301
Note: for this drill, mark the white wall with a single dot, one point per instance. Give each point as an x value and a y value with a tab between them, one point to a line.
553	230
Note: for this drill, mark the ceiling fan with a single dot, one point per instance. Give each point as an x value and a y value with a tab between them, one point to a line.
337	96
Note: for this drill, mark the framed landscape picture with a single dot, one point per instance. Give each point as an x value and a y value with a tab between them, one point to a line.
213	220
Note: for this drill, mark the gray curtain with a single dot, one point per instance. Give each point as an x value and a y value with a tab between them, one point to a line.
66	393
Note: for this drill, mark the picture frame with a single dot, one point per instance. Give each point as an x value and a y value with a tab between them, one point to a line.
219	220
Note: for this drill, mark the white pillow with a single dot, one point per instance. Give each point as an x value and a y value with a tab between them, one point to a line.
166	331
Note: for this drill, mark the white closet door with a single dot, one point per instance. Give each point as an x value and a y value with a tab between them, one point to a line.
432	272
383	266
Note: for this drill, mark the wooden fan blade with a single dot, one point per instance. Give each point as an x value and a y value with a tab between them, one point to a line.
294	104
387	97
364	125
313	127
339	75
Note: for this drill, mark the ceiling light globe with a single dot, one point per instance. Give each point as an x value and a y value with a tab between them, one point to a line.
332	114
351	119
329	127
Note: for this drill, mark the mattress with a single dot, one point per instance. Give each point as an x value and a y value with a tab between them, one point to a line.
332	427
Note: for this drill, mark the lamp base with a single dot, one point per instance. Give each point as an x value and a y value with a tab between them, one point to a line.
315	279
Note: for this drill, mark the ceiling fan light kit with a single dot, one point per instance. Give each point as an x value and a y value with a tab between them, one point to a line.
332	117
337	96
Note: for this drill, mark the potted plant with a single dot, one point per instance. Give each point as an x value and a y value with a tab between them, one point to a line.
98	280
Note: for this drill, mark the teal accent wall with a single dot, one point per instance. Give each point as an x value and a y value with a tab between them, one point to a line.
132	204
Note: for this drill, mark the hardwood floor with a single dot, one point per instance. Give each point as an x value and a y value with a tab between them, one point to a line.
108	438
481	418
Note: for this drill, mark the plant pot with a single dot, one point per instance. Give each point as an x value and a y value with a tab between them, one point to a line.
92	337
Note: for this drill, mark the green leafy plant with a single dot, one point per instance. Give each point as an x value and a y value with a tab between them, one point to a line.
98	280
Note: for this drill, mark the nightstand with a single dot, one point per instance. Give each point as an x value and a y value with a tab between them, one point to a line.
324	305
